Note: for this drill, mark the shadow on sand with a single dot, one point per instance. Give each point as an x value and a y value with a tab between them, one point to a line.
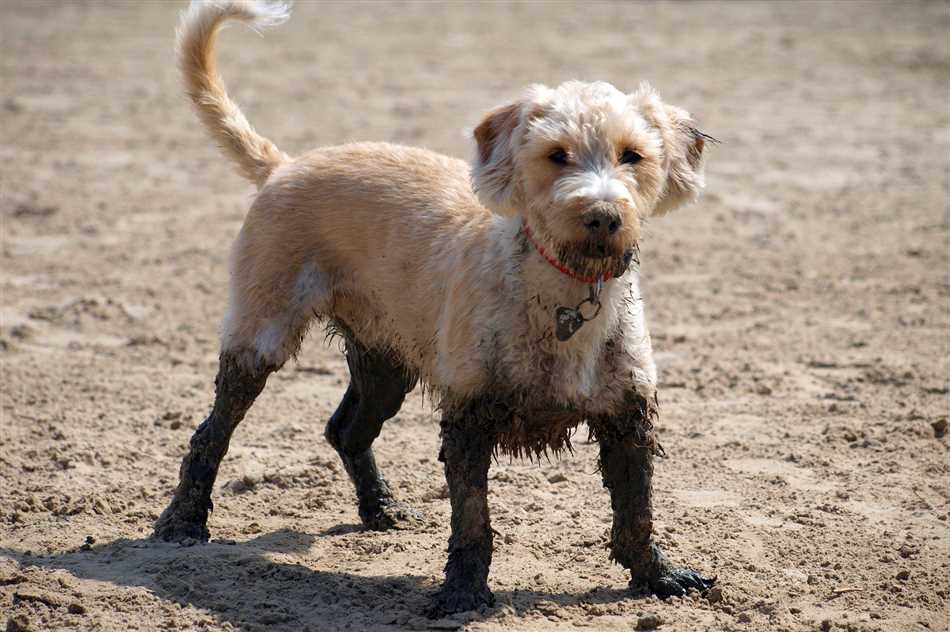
239	583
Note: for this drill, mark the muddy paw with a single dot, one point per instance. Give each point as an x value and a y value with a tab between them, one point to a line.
450	601
390	514
676	582
172	527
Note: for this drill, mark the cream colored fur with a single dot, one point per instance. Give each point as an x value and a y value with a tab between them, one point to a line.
394	242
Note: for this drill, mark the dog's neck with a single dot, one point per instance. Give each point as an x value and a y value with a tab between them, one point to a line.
544	287
543	273
559	265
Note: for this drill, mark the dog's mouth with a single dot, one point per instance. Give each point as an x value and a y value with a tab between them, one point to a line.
592	259
588	259
593	249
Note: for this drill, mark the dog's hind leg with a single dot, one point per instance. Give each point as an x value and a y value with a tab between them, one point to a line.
378	385
627	445
236	387
271	307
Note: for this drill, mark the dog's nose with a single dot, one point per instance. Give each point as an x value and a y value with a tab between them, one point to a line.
602	224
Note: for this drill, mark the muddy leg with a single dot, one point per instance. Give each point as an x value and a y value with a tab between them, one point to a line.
236	387
378	386
626	461
466	450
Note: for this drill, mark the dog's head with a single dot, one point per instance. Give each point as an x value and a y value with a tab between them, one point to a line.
584	163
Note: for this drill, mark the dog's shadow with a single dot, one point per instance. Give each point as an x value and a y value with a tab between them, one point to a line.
242	583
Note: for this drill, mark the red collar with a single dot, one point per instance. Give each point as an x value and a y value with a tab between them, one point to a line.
557	264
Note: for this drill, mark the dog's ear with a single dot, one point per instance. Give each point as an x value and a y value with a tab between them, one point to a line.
683	150
494	171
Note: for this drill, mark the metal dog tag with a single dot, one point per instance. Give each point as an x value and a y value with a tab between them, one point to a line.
567	321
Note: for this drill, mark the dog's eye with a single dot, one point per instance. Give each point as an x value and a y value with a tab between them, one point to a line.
558	156
630	157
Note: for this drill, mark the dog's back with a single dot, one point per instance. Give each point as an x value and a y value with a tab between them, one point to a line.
387	239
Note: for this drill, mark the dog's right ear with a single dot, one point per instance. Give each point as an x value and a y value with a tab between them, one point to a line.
494	172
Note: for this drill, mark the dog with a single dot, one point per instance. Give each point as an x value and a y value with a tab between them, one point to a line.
509	288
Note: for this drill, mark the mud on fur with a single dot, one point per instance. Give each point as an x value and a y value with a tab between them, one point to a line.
421	263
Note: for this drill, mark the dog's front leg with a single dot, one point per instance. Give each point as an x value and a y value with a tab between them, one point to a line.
467	445
627	445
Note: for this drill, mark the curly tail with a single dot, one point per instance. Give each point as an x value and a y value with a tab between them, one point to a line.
197	32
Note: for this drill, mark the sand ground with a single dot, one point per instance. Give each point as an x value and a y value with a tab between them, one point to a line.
801	315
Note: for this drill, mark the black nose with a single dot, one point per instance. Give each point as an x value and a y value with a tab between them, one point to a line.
601	224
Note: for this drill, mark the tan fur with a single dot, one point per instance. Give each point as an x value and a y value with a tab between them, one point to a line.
394	242
256	156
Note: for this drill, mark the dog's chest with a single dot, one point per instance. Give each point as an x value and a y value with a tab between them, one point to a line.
590	369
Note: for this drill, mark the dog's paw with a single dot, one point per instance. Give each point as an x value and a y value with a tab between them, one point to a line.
452	600
171	527
390	514
676	582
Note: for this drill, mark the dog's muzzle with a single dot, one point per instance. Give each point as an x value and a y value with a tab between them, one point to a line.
601	225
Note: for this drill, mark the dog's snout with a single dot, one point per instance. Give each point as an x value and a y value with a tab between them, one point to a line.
602	224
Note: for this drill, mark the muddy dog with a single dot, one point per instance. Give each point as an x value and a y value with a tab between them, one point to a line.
514	301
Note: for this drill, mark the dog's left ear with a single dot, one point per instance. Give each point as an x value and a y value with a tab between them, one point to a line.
683	150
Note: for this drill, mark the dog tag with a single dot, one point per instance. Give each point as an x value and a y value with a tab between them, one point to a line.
567	321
